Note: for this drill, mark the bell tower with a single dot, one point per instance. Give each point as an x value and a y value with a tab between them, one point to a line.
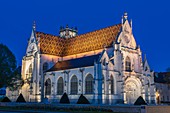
68	32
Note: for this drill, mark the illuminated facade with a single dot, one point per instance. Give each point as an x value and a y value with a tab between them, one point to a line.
162	87
104	65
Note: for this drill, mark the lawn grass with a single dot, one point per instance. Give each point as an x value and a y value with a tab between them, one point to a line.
94	112
17	108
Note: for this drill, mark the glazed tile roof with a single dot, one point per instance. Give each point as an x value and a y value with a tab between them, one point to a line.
54	45
75	63
50	44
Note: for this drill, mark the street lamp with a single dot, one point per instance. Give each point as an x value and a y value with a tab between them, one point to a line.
157	97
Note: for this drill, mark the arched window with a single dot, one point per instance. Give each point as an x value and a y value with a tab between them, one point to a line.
89	84
48	87
112	84
30	69
60	86
45	66
128	64
29	72
74	85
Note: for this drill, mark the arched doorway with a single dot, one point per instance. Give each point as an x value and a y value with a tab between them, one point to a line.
48	87
133	90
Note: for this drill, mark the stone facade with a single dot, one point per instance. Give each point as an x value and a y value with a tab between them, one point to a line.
162	87
105	66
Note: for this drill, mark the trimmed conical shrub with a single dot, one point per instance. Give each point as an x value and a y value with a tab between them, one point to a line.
6	99
140	101
64	99
20	98
82	100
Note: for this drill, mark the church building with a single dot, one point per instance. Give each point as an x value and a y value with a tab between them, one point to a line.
104	65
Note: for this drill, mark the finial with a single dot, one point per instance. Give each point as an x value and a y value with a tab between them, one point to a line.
67	26
125	15
104	46
34	25
61	28
131	23
122	20
145	57
138	47
113	44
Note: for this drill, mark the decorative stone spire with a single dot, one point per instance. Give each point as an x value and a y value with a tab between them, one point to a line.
131	23
122	20
34	26
67	26
60	27
125	16
145	57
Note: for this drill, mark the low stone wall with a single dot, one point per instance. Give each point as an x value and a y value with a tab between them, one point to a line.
140	109
126	109
158	109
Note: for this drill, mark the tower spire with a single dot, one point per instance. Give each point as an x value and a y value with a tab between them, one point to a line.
125	16
122	20
131	23
145	58
34	26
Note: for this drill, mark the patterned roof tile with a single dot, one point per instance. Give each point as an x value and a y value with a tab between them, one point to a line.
54	45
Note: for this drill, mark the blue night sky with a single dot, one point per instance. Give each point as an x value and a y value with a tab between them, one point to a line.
150	22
